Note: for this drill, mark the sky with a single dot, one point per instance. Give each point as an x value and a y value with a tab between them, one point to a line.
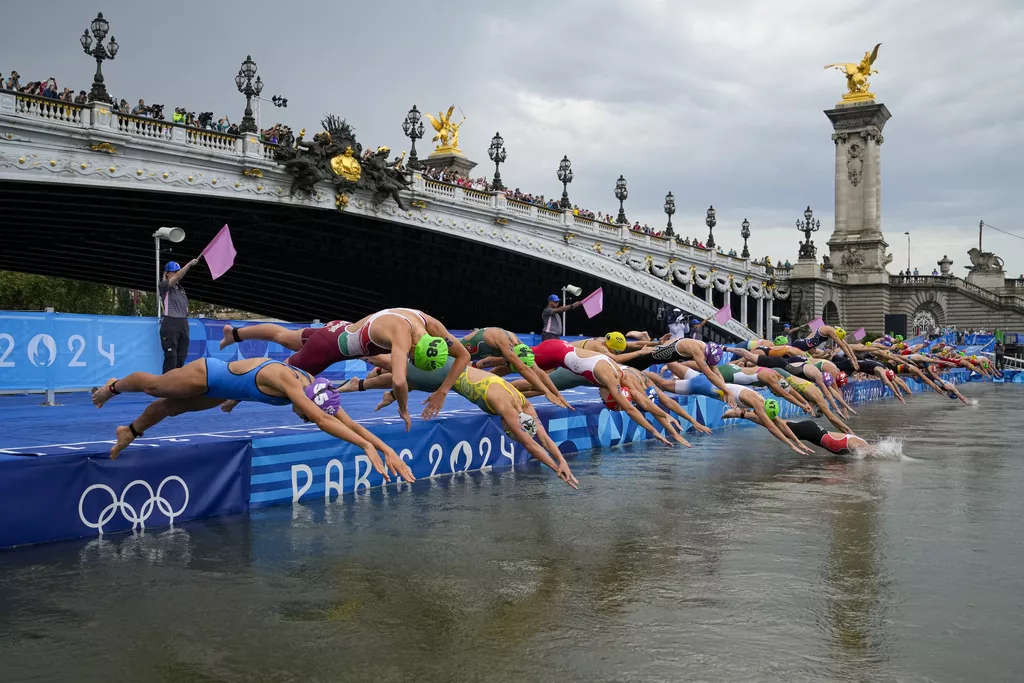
719	103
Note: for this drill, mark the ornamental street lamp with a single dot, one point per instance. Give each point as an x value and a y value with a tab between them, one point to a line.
670	208
413	129
99	27
245	85
621	193
565	177
745	234
497	154
711	222
807	226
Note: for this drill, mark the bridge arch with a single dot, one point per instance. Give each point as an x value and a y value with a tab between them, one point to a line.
830	314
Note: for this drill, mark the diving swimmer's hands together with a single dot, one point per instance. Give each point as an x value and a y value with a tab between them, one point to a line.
375	460
397	465
565	474
434	404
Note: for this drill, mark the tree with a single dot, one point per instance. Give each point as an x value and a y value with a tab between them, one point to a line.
25	292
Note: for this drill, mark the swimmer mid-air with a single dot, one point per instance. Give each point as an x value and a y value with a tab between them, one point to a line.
207	382
491	394
404	331
809	431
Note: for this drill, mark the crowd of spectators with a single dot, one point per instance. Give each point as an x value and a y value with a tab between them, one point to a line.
47	89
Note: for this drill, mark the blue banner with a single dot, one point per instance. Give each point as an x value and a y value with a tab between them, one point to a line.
40	351
68	496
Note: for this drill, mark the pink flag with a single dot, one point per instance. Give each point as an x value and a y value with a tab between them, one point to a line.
220	253
859	334
724	315
594	302
815	324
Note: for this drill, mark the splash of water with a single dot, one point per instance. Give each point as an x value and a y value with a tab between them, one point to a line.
887	448
973	401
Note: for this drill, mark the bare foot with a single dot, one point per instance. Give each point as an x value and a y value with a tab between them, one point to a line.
388	399
351	385
101	395
228	339
228	406
124	438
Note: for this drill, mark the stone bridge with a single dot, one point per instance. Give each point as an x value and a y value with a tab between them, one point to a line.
83	187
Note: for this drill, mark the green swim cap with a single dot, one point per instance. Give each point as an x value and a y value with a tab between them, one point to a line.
430	353
525	354
899	337
771	406
781	340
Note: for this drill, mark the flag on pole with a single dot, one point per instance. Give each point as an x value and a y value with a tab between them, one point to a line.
220	253
815	324
723	315
859	334
594	302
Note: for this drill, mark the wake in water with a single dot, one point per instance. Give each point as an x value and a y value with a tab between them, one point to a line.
887	448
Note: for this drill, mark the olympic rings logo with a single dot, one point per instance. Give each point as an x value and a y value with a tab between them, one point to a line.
136	517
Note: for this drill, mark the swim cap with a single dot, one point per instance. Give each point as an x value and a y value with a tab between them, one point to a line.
615	341
713	353
827	376
610	403
771	407
321	392
781	341
430	353
527	423
783	384
525	354
841	333
841	379
751	345
652	394
952	395
899	337
890	375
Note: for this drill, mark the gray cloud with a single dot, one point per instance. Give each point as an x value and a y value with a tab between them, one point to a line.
721	103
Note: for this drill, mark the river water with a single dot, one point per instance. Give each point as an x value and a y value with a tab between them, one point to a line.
734	561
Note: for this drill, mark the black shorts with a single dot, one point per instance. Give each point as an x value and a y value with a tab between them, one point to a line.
771	362
641	362
808	430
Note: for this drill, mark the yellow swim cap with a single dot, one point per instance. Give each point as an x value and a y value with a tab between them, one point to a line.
841	333
615	341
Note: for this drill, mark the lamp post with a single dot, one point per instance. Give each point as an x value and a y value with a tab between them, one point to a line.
497	154
670	208
413	129
99	27
621	193
711	222
908	251
245	85
808	226
565	177
745	234
171	235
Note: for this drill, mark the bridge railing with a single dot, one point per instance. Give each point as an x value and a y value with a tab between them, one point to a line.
999	300
97	115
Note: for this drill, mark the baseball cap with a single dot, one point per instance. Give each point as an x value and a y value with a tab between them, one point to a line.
172	267
553	297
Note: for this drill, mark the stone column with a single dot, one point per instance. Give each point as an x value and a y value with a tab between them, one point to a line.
858	246
769	328
760	318
743	308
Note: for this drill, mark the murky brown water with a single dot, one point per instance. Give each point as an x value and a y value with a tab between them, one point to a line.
734	561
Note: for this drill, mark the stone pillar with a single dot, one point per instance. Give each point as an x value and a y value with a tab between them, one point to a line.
743	309
857	244
769	332
709	291
760	318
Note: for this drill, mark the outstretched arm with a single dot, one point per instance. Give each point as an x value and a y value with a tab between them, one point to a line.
436	400
679	410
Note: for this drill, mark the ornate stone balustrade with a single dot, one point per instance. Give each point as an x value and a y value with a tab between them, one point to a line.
950	281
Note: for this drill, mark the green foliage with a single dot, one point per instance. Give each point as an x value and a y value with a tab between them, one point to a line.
24	292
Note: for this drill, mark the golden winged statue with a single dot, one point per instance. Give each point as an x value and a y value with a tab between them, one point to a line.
857	77
447	131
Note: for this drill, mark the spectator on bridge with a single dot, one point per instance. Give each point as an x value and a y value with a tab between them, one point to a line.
81	97
14	82
935	272
140	109
552	321
916	273
174	336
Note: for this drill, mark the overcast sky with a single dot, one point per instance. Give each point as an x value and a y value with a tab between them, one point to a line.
720	103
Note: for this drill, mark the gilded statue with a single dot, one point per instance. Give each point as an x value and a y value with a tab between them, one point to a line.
857	77
447	131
